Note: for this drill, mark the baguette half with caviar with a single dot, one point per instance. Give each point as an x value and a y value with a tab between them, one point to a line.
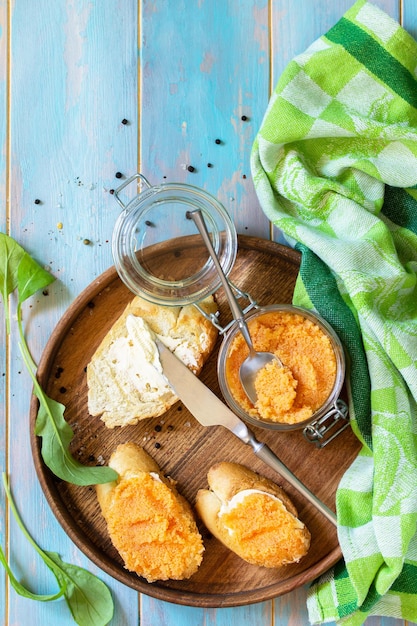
252	516
124	376
150	524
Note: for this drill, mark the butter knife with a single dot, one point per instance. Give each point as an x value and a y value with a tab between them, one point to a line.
209	410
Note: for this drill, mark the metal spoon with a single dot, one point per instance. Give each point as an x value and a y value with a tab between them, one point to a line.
255	361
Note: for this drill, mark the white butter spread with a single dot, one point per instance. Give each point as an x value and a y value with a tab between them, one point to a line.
239	497
143	339
136	357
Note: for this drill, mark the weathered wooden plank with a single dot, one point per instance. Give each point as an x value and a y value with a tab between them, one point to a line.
165	614
204	65
67	99
3	357
409	17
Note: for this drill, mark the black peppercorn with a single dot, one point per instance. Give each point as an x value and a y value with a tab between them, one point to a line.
190	168
118	174
218	141
37	201
209	165
124	121
111	191
157	445
244	118
158	428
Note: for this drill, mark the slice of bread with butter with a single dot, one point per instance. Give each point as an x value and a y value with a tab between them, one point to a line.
124	376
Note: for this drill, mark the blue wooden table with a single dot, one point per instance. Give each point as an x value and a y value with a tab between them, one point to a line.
90	89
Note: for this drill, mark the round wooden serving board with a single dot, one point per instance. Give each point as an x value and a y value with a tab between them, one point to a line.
185	450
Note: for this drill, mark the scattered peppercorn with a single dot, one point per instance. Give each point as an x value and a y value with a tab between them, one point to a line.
63	389
209	165
190	168
170	427
218	141
244	118
244	176
118	174
58	372
37	201
157	445
158	428
179	408
45	292
91	305
91	458
125	121
111	191
149	223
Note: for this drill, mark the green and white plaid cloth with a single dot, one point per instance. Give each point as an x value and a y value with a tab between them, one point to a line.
335	169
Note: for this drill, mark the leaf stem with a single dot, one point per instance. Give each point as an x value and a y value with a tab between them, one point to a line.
30	363
22	527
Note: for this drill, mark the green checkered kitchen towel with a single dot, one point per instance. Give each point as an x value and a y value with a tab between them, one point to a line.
335	168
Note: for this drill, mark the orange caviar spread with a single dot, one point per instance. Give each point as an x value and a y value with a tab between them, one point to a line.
266	533
155	535
293	393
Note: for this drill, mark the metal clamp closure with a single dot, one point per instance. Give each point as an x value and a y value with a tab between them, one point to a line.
142	182
323	430
213	318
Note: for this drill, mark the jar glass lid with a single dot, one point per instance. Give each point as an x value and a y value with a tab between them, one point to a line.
170	271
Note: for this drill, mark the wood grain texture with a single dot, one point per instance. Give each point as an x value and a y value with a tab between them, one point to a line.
3	348
182	74
195	90
73	81
409	17
186	449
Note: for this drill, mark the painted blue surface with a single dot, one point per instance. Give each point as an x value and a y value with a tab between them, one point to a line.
182	74
3	364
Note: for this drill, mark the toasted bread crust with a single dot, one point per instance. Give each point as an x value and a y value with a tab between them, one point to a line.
150	524
261	529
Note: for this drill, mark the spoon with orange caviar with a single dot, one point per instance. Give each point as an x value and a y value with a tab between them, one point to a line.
255	361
